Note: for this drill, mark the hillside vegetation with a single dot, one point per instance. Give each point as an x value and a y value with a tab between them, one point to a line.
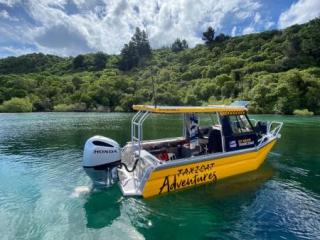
278	71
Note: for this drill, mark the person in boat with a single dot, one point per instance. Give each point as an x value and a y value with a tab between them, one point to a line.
202	140
193	127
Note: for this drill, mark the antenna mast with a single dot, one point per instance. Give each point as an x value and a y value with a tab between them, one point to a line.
154	93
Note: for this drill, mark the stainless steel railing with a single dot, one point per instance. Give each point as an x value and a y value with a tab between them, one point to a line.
273	130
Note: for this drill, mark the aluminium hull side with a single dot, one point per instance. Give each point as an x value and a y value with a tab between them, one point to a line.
175	176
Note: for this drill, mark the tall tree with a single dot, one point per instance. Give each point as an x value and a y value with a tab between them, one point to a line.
145	49
78	62
179	45
136	51
184	44
208	36
129	57
99	60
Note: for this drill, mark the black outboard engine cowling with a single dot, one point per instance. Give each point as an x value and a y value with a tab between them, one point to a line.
101	158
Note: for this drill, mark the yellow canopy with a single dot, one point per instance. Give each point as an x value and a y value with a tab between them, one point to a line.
222	109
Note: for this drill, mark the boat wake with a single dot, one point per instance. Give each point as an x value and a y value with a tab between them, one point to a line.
80	190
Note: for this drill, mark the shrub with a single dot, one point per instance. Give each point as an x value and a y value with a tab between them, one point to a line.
76	107
302	112
100	108
63	108
79	107
16	105
119	109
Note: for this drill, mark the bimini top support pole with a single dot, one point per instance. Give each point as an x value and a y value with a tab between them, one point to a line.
137	129
221	132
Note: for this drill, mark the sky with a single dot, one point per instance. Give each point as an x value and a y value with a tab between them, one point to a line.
72	27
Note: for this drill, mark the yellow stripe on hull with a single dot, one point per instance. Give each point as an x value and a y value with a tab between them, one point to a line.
208	171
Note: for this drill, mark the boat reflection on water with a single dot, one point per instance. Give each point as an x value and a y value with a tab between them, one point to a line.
105	208
102	207
241	184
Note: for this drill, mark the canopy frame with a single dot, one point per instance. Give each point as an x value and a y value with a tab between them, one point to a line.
145	110
221	109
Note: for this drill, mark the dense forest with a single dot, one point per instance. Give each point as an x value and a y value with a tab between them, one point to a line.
278	71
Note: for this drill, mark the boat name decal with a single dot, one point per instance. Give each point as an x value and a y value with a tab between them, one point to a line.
245	142
188	177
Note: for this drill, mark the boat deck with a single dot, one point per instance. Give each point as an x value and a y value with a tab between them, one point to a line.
129	184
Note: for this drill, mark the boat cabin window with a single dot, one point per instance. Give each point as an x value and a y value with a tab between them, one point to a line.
238	132
201	135
240	124
204	123
203	132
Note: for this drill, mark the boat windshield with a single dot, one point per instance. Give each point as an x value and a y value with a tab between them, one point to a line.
240	124
207	119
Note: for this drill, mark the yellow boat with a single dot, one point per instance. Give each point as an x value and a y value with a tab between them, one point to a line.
232	144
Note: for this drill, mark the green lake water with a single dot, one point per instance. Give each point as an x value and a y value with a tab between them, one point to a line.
41	172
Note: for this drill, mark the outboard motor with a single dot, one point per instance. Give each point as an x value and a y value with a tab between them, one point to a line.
101	158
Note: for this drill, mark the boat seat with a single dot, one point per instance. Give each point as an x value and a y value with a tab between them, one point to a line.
157	150
214	141
204	131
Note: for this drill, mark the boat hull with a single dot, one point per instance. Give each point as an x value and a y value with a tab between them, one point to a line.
173	178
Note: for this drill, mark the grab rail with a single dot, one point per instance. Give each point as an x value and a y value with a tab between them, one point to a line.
271	132
274	131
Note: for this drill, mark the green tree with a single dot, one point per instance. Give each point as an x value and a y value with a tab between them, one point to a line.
291	46
136	52
78	62
77	81
208	36
100	60
310	38
179	45
144	48
129	57
221	38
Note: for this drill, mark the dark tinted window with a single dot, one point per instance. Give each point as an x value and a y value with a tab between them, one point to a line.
240	124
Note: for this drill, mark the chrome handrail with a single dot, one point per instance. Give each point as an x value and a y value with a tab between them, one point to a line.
271	132
137	128
274	131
